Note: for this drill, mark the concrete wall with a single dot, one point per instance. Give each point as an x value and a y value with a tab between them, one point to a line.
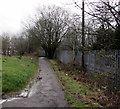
41	53
64	56
106	62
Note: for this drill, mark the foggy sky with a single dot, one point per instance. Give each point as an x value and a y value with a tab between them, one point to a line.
13	12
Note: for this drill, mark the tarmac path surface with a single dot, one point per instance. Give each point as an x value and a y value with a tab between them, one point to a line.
46	92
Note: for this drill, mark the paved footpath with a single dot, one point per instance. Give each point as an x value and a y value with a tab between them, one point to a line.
44	93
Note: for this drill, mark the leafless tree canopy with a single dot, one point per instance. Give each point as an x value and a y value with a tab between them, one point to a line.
104	18
50	28
106	12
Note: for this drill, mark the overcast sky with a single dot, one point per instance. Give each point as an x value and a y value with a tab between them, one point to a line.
12	12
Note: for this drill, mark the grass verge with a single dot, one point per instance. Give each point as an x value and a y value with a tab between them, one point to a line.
17	72
80	93
0	75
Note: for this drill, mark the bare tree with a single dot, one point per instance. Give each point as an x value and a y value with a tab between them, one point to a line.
50	28
106	15
19	45
5	44
104	12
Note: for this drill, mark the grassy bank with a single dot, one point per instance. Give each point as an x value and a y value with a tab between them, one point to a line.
17	72
0	74
81	93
